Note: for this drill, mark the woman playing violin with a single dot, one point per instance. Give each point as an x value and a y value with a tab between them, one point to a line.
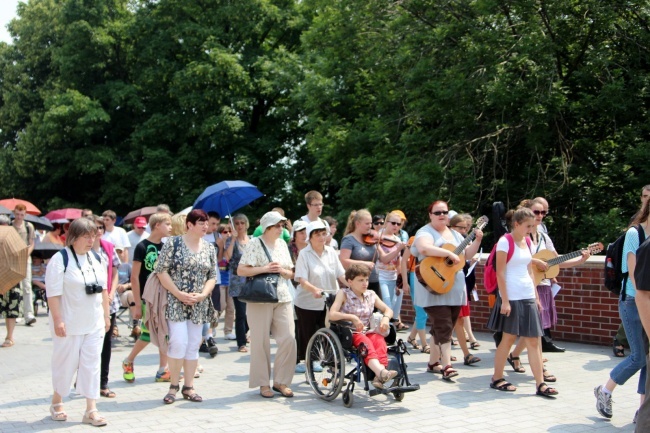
390	248
443	309
358	246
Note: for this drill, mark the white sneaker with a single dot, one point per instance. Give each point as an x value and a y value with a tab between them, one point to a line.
230	336
603	402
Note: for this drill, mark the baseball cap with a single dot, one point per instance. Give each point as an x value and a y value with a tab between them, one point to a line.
140	222
299	225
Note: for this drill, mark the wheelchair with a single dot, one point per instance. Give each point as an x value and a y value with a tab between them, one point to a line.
331	349
39	295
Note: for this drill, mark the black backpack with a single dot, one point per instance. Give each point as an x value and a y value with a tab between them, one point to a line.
642	269
615	278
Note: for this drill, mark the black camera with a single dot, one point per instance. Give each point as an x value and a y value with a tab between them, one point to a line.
92	289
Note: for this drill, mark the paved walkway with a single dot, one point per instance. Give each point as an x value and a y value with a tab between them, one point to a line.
467	405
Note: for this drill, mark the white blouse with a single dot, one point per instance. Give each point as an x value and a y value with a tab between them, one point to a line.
82	313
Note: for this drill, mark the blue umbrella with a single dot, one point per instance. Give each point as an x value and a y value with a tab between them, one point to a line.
227	196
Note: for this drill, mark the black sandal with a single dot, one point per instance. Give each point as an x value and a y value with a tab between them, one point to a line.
511	360
192	396
618	349
471	359
171	398
549	377
474	345
548	391
505	386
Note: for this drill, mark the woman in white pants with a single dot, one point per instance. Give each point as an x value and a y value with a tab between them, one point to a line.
79	317
187	268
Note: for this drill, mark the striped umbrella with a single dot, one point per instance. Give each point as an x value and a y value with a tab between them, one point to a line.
13	258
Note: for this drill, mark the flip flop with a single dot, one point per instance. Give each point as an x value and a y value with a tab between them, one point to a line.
8	343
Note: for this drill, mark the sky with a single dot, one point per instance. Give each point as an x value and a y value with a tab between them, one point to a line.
7	13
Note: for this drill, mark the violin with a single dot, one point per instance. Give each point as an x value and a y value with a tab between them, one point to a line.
373	238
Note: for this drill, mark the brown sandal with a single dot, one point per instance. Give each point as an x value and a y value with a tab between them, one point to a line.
171	398
192	396
448	372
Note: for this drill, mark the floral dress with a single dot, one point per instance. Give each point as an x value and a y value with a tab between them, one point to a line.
189	271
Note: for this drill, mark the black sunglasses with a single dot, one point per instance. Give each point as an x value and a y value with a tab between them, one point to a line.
395	223
540	212
378	223
440	212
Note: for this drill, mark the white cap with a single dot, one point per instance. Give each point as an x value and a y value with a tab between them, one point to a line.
452	213
297	226
270	219
315	225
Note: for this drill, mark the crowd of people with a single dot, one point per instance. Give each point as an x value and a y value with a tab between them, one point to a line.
186	274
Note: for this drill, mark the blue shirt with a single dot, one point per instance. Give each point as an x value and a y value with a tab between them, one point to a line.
630	246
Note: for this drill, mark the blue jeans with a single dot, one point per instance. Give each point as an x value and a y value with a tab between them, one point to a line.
420	314
387	288
636	360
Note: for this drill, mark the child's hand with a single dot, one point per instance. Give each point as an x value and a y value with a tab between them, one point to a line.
358	324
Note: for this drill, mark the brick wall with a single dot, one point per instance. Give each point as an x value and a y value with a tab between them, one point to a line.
587	312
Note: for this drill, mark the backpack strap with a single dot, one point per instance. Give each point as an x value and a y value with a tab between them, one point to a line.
64	255
511	246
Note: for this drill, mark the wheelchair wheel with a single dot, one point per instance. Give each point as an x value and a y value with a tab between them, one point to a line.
325	350
348	398
399	396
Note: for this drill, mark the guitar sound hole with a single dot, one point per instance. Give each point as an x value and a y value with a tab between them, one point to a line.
448	262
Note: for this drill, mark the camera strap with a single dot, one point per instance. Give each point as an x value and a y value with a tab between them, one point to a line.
74	255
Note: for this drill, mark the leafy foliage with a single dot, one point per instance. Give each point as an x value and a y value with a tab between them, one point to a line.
378	104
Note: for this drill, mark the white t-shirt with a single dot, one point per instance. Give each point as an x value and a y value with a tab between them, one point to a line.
134	239
82	313
117	237
321	271
306	219
519	285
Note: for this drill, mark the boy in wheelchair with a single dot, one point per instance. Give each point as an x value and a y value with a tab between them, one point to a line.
356	304
38	282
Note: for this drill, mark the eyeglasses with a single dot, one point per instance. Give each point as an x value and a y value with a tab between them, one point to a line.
460	227
395	223
240	223
225	232
540	212
279	225
316	204
440	212
378	223
101	228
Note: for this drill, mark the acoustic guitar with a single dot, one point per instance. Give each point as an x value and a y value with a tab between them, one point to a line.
437	274
554	262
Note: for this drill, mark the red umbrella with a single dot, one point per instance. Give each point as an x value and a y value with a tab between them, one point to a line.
145	212
12	202
68	214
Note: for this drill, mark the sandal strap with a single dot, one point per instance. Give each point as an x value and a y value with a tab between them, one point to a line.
175	387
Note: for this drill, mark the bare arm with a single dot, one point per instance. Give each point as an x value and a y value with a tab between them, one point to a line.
425	246
473	248
346	261
335	312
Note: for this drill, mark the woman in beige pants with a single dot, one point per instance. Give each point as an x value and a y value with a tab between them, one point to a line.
271	318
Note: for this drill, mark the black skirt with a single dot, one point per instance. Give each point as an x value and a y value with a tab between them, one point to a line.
523	320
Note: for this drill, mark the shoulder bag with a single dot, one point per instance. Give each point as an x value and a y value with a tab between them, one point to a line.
261	288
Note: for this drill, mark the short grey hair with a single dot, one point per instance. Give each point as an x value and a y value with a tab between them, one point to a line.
4	220
80	228
241	217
